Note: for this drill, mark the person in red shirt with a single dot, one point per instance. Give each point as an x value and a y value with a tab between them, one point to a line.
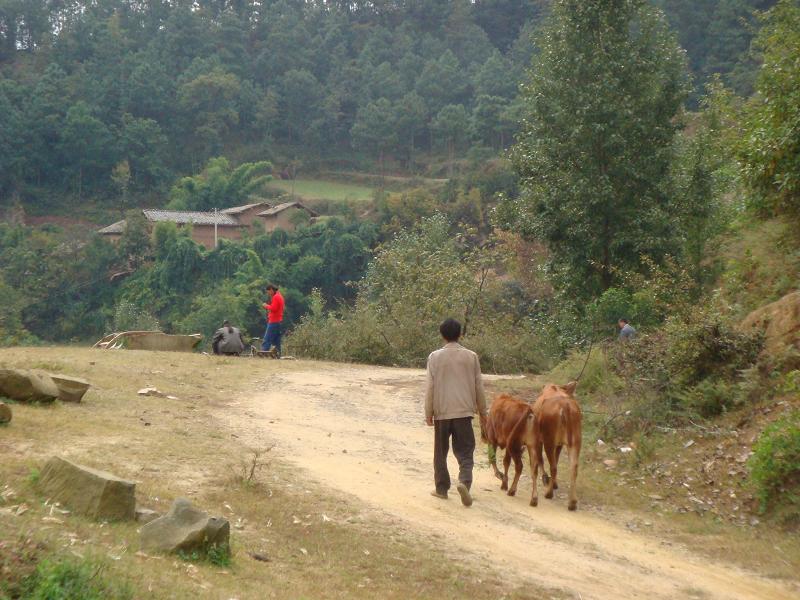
274	308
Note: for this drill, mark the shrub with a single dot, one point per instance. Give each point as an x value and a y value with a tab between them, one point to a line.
775	464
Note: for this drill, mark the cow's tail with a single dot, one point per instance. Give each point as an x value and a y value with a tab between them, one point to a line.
564	419
528	414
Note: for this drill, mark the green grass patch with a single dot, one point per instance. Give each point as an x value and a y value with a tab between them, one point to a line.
67	579
316	189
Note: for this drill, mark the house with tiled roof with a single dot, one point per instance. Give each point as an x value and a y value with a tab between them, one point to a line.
231	223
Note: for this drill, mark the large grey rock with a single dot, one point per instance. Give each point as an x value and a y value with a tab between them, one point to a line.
27	386
185	528
89	492
70	389
5	412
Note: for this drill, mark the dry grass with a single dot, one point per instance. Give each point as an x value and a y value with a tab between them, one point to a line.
318	544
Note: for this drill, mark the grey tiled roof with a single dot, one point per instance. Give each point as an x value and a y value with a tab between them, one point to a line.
286	205
235	210
182	217
118	227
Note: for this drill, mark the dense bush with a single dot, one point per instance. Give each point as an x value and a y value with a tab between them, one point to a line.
695	365
415	281
128	317
775	464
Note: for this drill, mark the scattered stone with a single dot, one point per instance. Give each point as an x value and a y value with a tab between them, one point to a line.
70	389
146	515
600	442
27	386
5	413
151	391
626	449
185	528
655	497
610	462
260	557
689	444
89	492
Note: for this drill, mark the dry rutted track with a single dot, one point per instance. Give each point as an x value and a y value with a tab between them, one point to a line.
360	430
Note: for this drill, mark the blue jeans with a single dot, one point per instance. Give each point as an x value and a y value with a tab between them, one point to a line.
272	337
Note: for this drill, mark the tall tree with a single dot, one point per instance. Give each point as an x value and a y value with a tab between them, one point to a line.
769	152
595	148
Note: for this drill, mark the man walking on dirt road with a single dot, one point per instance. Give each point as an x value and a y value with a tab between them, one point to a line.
454	394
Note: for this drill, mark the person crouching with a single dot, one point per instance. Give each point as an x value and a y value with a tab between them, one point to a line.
227	340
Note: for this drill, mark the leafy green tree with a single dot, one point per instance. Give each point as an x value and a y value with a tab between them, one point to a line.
412	115
375	129
769	150
442	82
135	243
219	185
10	134
144	147
594	151
452	127
301	94
487	119
210	100
85	142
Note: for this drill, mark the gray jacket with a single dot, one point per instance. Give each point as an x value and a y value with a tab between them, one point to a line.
230	340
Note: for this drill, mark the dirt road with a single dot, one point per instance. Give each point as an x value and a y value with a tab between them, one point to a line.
359	430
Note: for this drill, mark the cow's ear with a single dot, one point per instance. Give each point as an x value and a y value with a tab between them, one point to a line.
570	387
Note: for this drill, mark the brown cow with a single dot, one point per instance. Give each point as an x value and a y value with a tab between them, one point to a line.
557	424
510	426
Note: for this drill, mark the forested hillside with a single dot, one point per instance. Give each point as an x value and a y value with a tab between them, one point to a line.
112	99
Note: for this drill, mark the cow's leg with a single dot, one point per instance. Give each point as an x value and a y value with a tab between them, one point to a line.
558	458
534	461
551	458
517	471
574	453
493	461
506	464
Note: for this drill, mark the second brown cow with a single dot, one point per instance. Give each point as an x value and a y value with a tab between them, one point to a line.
552	422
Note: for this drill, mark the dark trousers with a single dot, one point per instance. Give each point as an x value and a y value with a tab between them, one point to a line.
272	337
463	447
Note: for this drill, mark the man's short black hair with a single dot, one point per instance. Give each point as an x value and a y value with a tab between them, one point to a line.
450	330
272	286
226	323
623	320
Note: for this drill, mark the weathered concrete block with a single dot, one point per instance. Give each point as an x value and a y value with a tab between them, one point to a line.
5	412
185	528
27	386
89	492
70	389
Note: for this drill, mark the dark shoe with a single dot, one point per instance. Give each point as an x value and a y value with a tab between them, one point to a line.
466	498
439	495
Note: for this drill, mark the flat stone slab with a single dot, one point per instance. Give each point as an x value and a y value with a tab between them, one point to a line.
5	412
150	340
185	528
27	386
70	389
85	491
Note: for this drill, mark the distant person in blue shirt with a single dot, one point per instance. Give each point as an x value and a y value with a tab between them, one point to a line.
626	331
